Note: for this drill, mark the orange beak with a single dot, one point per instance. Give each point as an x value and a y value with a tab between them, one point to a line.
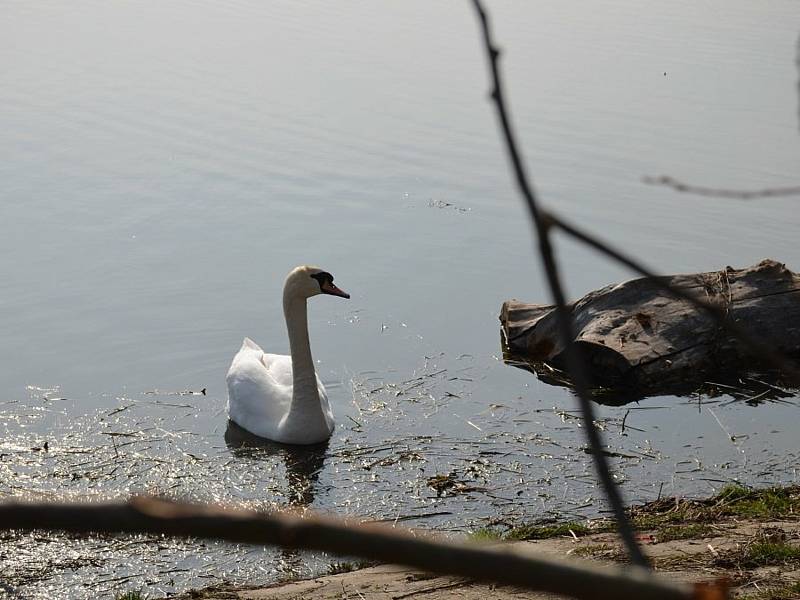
329	288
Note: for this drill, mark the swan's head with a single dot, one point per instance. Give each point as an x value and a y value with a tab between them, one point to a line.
307	281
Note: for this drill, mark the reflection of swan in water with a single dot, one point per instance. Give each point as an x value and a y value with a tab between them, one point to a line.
303	463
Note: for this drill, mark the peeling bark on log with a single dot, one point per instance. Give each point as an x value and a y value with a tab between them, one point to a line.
634	335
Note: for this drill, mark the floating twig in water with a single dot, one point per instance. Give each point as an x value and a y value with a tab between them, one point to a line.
442	204
440	513
119	410
181	393
449	484
609	453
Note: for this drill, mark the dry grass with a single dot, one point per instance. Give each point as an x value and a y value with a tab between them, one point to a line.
789	591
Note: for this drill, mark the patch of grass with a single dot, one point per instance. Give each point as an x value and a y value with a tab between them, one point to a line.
733	492
131	595
486	534
670	518
340	567
768	547
682	532
770	503
335	568
649	522
731	501
541	532
766	552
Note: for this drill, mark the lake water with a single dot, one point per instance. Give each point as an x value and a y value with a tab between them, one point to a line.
163	165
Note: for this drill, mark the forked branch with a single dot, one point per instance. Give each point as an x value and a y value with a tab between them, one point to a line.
543	224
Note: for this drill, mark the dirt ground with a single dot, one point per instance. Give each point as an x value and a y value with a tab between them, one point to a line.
721	549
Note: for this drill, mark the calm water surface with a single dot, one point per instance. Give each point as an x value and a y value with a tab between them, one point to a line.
163	165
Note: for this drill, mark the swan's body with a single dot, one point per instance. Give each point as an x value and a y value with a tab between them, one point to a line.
280	397
260	399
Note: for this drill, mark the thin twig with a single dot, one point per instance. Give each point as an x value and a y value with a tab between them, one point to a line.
699	190
797	63
575	366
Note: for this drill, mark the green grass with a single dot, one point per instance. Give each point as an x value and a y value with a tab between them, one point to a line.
340	567
531	532
764	553
669	533
542	532
731	501
669	518
345	566
486	534
131	595
734	491
759	504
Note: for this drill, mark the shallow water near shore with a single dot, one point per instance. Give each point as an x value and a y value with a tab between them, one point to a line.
164	166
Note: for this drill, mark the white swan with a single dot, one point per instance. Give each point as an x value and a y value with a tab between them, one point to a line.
280	397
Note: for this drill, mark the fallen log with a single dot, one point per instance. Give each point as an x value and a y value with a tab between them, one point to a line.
636	336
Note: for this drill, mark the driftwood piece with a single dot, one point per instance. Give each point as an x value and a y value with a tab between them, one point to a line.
637	336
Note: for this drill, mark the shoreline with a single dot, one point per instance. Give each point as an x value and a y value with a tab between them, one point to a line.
749	537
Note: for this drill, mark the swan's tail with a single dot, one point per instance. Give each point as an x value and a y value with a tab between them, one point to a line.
249	344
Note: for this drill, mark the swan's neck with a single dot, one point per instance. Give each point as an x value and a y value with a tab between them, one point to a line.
304	376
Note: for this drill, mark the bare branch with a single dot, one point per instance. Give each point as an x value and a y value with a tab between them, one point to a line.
573	360
498	564
698	190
